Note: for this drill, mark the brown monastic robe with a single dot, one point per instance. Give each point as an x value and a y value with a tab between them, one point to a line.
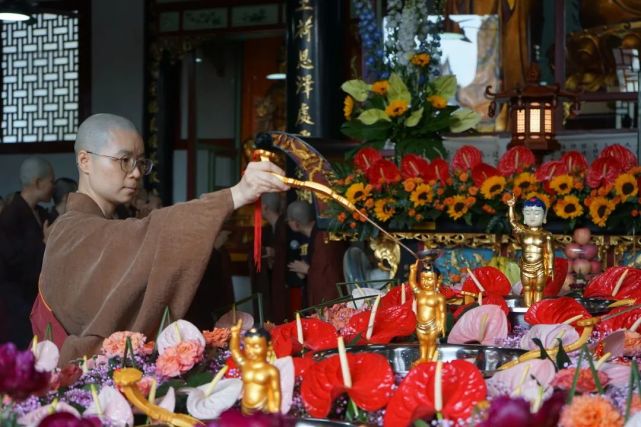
102	275
325	268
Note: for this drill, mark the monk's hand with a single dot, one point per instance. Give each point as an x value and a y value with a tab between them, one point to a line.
298	266
257	179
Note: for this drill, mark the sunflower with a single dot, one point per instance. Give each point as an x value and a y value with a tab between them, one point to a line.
357	192
348	107
600	210
420	59
384	209
562	184
626	186
396	108
380	87
437	101
525	181
410	184
457	206
422	195
493	186
568	207
541	196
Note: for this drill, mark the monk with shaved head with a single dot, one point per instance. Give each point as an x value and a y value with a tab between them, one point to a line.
101	275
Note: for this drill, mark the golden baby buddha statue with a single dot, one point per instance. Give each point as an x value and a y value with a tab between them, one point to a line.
537	254
430	311
261	380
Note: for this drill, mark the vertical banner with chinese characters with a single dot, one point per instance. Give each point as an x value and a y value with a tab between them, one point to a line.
314	66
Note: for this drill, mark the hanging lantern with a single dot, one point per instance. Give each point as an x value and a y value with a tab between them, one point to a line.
532	113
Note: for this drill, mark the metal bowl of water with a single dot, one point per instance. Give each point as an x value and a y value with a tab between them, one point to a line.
401	356
313	422
594	306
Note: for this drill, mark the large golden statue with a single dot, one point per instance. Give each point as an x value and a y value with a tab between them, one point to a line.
537	254
430	311
261	380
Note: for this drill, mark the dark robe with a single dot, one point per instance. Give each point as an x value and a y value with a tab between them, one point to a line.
22	249
103	275
270	282
325	268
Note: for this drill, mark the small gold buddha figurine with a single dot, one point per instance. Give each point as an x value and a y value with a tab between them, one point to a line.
537	254
261	380
430	312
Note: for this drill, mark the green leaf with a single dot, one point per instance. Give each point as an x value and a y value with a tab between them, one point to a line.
355	340
464	119
199	379
414	118
175	383
358	89
562	359
397	89
378	131
544	353
421	423
445	86
373	115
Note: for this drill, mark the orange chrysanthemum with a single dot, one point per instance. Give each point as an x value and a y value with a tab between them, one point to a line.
420	59
380	87
590	411
437	101
396	108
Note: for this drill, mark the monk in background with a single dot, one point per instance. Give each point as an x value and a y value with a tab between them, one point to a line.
101	275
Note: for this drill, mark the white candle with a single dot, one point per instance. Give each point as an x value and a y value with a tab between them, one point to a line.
94	395
620	282
483	328
85	368
438	387
403	293
342	357
635	325
476	280
152	391
372	316
299	329
34	344
517	391
215	381
480	298
178	336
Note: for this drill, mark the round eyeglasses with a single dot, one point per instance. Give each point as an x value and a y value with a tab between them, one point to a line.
128	164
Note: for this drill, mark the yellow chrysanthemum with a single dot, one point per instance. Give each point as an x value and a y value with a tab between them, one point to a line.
562	184
422	195
457	206
600	210
380	87
568	207
384	209
420	59
348	107
493	186
541	196
396	108
626	186
357	192
525	181
437	101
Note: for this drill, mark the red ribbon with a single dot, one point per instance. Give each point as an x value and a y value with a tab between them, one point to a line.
258	233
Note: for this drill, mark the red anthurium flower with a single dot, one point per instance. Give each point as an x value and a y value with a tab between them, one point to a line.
438	170
317	335
414	166
372	380
395	297
366	157
621	154
483	171
516	159
603	170
549	170
556	310
574	161
491	278
553	286
462	384
603	286
395	321
622	321
466	158
383	172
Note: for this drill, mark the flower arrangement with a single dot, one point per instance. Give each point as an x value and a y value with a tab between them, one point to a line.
403	101
406	194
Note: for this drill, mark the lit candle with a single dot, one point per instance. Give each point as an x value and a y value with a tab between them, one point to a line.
215	380
476	280
620	282
152	391
342	357
438	387
372	316
299	329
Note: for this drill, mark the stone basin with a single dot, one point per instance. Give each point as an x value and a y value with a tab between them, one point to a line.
401	356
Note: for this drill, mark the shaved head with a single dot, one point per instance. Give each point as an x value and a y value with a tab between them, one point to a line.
300	211
34	168
96	131
272	201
